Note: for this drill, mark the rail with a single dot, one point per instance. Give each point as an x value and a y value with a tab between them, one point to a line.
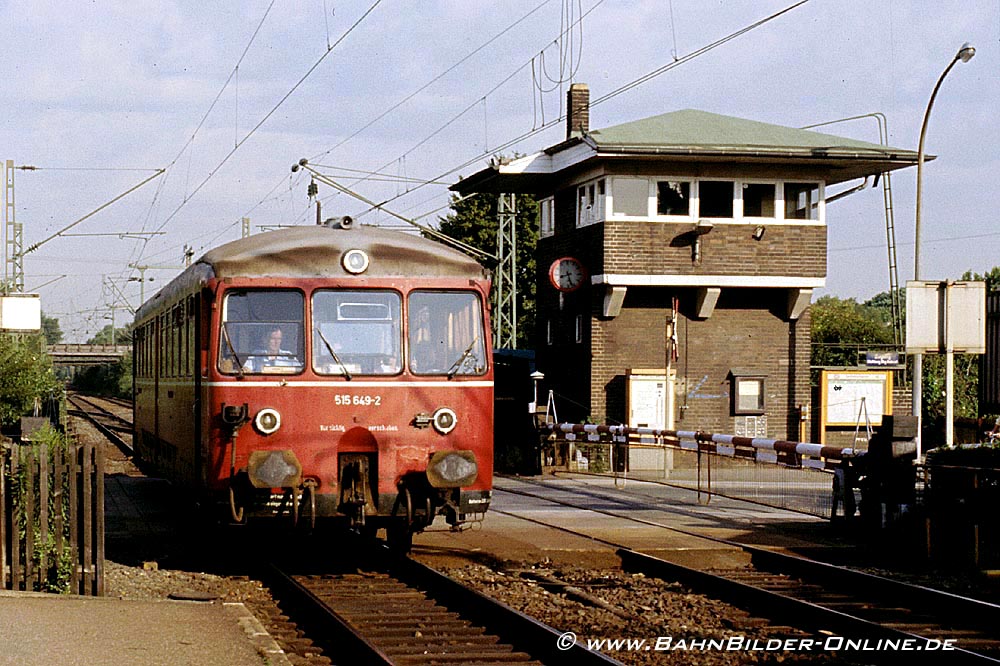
400	611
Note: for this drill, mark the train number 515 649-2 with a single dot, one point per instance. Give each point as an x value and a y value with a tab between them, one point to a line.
344	399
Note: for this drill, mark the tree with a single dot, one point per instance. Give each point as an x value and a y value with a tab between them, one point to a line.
991	278
474	221
122	336
50	330
842	328
25	374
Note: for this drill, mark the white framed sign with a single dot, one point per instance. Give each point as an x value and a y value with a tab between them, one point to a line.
849	397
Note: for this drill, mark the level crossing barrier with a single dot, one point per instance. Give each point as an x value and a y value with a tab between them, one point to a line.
770	471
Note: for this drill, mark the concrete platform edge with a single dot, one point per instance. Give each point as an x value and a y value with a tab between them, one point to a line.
258	635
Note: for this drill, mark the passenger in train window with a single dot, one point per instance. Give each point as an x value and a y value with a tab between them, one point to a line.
272	358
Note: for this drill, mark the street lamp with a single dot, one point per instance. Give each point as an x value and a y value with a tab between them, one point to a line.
965	55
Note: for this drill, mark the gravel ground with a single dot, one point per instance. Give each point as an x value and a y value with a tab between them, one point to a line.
612	604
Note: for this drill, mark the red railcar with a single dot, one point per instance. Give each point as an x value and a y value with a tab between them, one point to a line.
332	371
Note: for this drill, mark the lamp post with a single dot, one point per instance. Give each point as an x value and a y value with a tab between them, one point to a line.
964	54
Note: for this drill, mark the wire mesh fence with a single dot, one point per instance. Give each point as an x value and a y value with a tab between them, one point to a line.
786	475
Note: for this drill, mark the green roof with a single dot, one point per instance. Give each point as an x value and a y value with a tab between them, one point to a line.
700	130
691	136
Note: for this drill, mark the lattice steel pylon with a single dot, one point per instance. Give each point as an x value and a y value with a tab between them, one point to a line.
505	279
14	247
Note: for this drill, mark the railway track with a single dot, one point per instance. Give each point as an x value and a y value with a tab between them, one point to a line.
111	424
832	603
398	611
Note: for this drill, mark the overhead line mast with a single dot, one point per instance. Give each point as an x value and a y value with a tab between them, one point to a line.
13	248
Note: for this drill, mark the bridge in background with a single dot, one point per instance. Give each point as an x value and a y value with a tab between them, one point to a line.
81	354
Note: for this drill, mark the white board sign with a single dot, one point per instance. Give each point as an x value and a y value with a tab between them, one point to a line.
848	396
21	312
939	314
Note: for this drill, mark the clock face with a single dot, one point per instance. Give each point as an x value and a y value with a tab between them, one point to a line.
567	274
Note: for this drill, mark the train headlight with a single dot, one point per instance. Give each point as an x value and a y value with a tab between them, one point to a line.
452	469
355	261
267	421
444	420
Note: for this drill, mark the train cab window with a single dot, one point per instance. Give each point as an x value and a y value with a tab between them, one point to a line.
357	332
446	335
262	332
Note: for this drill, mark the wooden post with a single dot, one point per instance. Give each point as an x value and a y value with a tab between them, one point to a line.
87	509
30	469
74	517
43	510
99	520
15	542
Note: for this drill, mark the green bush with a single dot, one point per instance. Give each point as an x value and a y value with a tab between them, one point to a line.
25	375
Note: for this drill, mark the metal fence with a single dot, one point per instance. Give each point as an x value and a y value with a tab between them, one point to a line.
52	518
789	475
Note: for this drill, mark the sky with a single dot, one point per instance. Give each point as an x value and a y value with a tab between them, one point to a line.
396	100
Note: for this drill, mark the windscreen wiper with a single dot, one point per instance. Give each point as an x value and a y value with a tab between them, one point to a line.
461	359
232	350
333	354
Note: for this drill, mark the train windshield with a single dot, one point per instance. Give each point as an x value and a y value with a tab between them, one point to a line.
357	332
446	335
262	332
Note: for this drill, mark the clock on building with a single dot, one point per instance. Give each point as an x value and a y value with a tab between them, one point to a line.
567	274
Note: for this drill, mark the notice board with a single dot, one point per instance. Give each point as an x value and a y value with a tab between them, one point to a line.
844	391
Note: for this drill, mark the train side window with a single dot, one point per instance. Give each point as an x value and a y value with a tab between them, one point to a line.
357	332
262	332
446	334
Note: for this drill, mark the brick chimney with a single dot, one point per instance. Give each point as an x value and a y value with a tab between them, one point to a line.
577	110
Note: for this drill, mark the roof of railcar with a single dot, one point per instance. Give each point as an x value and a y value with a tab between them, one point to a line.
316	252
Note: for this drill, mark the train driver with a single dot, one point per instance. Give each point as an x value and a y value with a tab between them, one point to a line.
272	355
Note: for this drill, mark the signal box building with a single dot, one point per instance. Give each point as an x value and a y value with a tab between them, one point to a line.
676	262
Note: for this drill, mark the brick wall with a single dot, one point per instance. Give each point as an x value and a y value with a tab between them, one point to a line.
745	333
729	249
